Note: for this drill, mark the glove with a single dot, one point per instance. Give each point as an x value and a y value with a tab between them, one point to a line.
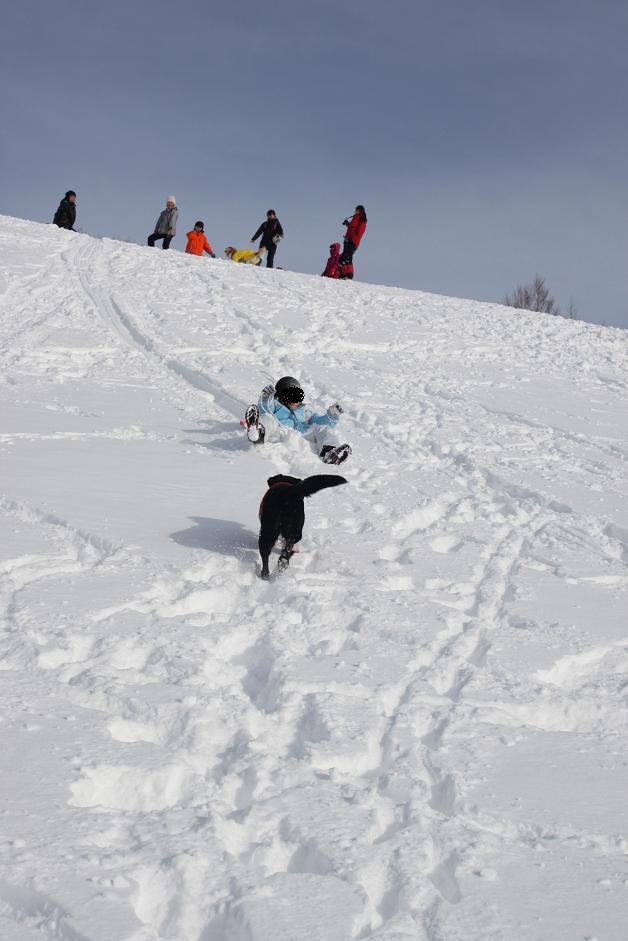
345	222
212	255
267	394
335	410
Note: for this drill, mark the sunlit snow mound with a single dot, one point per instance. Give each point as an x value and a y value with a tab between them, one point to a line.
420	731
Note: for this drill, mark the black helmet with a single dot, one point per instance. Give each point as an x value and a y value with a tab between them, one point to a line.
199	225
289	389
70	193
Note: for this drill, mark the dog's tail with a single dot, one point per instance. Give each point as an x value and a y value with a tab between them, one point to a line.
318	482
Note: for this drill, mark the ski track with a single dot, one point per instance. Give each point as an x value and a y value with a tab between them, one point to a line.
274	735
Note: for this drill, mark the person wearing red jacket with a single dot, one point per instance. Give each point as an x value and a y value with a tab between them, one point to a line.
197	243
356	227
332	268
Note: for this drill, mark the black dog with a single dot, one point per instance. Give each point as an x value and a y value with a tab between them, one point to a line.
281	513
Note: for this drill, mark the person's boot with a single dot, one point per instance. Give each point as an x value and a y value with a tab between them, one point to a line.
254	429
336	455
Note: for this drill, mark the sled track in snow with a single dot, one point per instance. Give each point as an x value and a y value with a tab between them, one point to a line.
123	325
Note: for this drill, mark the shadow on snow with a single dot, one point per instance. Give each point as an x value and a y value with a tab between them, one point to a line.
215	535
233	437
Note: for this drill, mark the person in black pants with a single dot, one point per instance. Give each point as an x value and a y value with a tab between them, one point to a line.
271	232
65	216
166	225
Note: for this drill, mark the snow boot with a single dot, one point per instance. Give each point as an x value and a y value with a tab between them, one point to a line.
254	429
337	455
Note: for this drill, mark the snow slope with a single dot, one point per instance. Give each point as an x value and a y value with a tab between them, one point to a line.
420	732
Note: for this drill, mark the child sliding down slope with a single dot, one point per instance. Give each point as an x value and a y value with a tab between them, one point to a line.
282	407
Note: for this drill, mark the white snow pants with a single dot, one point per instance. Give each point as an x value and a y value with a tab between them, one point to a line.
317	435
320	435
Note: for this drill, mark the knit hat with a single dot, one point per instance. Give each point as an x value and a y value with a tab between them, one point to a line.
171	199
70	193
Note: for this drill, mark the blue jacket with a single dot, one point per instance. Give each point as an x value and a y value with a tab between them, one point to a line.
301	419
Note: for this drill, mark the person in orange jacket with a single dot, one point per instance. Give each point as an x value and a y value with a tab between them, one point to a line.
197	243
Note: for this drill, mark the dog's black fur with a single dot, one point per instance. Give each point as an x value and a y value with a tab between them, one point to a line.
282	513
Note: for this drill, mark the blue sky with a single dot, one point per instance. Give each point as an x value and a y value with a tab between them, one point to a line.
488	141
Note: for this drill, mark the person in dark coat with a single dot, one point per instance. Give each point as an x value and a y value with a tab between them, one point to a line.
166	225
65	216
271	232
356	227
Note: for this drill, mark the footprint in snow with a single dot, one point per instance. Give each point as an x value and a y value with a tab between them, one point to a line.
445	544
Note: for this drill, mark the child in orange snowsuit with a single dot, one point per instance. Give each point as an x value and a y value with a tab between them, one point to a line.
197	243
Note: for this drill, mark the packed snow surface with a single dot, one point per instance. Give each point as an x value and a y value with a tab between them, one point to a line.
420	731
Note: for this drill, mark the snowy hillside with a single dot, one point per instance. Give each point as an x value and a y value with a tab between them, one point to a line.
420	732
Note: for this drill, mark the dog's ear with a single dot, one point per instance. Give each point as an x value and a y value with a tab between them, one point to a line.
282	478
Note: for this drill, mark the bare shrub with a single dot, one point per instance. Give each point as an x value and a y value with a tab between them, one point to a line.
535	296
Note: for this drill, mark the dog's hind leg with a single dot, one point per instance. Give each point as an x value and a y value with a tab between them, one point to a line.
266	542
265	555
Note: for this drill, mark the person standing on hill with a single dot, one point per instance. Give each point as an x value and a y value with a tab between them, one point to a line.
197	242
166	225
271	232
356	227
65	216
